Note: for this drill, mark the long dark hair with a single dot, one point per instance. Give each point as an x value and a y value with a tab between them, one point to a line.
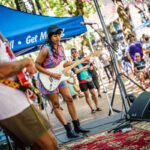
50	43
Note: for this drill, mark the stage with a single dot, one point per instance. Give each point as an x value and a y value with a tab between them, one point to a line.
136	136
95	126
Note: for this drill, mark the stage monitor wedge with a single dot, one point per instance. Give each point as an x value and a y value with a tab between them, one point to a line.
140	109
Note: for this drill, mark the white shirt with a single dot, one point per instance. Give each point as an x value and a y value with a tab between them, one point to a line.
105	57
12	101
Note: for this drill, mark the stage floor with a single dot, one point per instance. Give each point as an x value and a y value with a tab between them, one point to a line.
95	126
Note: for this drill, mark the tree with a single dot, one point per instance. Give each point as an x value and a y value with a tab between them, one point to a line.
73	8
123	17
8	3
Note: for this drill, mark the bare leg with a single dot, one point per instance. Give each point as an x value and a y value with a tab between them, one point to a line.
94	97
69	101
53	98
73	113
87	98
98	91
47	142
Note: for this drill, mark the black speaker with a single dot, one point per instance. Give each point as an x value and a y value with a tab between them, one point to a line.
140	109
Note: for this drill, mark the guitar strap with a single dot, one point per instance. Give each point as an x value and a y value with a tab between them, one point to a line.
10	83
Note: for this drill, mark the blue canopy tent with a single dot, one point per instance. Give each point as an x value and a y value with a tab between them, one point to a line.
26	31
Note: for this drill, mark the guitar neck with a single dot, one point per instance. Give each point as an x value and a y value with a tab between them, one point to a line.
67	69
74	65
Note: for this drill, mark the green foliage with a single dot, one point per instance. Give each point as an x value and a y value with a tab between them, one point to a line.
8	3
71	7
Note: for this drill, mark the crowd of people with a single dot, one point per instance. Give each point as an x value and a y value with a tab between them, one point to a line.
24	122
135	59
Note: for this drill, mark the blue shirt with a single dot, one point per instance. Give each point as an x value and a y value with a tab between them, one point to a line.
83	75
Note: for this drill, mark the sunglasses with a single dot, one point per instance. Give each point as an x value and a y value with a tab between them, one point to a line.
137	56
73	52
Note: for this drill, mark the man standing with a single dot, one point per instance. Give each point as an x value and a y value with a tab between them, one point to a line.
85	81
18	117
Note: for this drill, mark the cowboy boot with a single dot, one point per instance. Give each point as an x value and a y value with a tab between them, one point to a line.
78	128
69	132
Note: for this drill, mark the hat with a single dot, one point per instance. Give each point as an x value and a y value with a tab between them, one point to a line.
53	29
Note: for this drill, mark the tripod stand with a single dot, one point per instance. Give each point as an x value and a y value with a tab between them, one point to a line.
114	90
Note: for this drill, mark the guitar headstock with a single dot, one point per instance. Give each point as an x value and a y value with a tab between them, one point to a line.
93	54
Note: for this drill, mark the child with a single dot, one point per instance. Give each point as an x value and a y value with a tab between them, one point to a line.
140	69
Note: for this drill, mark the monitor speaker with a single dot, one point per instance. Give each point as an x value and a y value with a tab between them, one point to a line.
140	109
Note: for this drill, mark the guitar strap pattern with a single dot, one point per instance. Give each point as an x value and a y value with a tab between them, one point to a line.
11	83
27	90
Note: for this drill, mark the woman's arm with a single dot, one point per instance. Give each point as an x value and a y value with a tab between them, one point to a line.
40	59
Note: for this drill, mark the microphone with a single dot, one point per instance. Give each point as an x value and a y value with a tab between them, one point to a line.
88	23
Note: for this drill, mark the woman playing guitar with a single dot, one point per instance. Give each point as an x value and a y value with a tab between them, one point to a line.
50	56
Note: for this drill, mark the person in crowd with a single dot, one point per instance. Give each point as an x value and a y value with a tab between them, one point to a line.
50	56
127	66
146	48
72	91
85	81
140	69
105	58
133	47
17	117
93	72
39	96
119	56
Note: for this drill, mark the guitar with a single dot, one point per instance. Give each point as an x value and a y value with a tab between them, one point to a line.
51	83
